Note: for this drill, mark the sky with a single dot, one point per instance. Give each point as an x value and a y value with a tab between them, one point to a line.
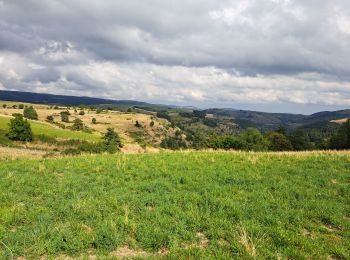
272	55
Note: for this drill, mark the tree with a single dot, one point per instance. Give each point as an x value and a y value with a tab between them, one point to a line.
252	140
112	140
300	140
77	125
341	140
30	113
151	124
173	142
4	105
278	142
20	106
81	113
50	119
19	129
65	116
282	129
94	121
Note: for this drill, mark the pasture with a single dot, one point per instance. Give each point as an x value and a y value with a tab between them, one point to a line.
177	205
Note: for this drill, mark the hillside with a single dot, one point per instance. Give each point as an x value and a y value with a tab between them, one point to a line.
149	133
241	118
176	206
39	98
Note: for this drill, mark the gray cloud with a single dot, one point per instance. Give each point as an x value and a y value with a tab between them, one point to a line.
204	52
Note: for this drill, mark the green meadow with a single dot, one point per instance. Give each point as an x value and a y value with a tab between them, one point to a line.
42	128
177	205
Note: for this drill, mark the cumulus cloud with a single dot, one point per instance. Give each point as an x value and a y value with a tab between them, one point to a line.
243	53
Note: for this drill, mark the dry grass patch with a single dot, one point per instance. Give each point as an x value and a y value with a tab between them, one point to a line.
126	252
247	242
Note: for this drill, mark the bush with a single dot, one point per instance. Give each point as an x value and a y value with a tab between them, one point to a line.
65	116
50	119
77	125
20	130
30	113
4	105
81	113
151	124
94	121
174	143
137	124
21	106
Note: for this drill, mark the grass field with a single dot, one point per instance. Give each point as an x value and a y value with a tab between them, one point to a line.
177	205
42	128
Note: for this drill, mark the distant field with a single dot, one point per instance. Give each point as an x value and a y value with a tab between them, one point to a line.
177	205
41	128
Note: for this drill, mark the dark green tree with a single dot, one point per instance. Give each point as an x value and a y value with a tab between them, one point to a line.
112	140
19	129
30	113
151	124
341	140
300	140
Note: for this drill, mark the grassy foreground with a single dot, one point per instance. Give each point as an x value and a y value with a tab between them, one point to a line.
177	205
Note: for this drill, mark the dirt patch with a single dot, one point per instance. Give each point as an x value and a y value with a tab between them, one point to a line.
126	252
203	240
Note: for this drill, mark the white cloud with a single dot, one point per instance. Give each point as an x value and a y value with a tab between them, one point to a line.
205	53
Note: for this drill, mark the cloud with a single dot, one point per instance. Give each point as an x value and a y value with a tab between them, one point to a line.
207	53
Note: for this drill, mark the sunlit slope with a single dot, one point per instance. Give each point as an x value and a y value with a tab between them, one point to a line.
42	128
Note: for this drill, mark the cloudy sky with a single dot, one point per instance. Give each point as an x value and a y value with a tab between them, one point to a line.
271	55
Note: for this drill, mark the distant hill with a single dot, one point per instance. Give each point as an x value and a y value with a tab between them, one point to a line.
242	118
38	98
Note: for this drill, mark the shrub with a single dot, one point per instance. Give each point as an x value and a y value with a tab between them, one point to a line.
94	121
137	124
151	124
20	130
81	113
4	105
30	113
65	116
21	106
77	125
173	142
50	119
